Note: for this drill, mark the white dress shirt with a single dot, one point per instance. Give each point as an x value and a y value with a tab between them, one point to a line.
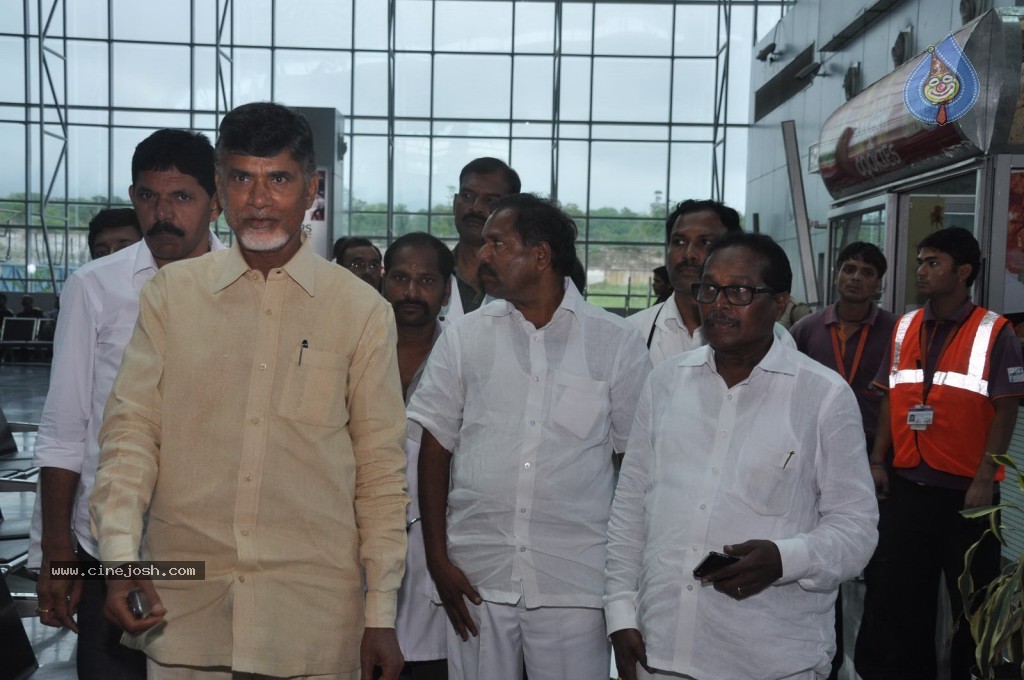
666	334
779	456
536	414
453	310
420	624
99	306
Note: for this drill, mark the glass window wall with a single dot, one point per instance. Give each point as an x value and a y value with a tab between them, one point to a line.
610	107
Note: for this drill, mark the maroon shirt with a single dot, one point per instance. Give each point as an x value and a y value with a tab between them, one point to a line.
1006	354
813	336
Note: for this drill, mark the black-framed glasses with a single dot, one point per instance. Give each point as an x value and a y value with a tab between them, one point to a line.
741	296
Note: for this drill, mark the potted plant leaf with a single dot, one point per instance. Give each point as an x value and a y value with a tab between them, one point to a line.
996	612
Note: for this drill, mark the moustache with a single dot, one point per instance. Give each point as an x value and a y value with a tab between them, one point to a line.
412	303
686	267
485	268
162	227
719	318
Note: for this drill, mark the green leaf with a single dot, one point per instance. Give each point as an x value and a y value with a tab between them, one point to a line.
1004	459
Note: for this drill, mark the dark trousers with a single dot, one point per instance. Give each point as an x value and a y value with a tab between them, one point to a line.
101	656
929	539
874	636
425	670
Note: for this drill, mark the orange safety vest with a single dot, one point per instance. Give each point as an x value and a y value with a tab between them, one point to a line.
963	412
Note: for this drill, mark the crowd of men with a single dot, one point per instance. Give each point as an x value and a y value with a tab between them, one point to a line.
271	415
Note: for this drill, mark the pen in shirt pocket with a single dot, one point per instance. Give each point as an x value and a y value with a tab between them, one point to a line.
788	456
303	346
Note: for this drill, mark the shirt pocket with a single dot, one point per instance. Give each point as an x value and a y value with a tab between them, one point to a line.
770	490
314	389
581	406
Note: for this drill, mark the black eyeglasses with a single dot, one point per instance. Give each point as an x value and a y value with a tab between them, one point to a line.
741	296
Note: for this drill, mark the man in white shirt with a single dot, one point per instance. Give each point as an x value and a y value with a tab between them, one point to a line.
537	390
481	182
417	284
673	326
753	449
174	194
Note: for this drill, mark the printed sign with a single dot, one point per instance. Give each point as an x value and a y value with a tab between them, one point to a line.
943	86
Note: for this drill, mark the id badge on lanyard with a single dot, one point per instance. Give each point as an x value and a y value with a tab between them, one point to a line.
920	417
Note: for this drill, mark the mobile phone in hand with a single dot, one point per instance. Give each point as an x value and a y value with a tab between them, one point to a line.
138	603
713	562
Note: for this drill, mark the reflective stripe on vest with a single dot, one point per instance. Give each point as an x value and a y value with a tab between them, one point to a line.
972	381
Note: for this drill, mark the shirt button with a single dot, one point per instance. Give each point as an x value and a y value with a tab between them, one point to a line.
703	506
245	532
263	367
241	579
724	433
527	466
522	549
248	477
254	420
269	312
533	422
689	587
715	470
729	397
522	509
695	548
536	378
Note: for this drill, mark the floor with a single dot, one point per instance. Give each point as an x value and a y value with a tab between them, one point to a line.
22	392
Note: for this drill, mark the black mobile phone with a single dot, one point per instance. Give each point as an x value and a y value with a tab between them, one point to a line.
713	562
138	603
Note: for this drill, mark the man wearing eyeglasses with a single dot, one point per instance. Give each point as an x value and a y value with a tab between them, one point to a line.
481	182
360	257
749	448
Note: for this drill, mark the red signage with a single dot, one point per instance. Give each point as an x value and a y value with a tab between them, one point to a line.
874	136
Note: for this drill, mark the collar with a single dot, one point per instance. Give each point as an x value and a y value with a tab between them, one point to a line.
831	316
777	360
572	302
957	317
144	257
670	315
300	268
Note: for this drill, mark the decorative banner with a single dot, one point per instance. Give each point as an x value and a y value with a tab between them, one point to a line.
943	86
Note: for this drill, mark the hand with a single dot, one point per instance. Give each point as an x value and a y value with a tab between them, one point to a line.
58	598
117	605
452	585
629	651
760	566
379	647
881	478
979	494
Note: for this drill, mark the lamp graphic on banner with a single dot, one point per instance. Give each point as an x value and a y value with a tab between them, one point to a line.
943	86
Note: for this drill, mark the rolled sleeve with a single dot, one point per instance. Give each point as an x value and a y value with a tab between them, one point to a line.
439	400
633	365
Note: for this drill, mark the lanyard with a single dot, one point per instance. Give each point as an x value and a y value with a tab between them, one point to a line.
926	384
864	329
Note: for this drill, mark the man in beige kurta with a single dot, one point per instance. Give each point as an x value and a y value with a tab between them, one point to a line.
258	417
